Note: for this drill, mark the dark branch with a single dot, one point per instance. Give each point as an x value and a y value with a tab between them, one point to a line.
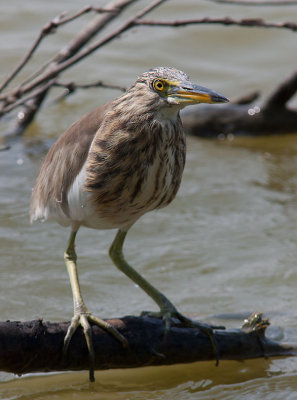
25	118
246	22
72	87
13	103
283	93
37	347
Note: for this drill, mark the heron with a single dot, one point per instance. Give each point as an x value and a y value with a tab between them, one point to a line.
112	166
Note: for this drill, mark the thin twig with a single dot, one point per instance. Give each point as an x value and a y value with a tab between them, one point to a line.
48	29
11	97
23	96
23	100
71	87
83	37
247	22
55	70
88	9
45	31
258	2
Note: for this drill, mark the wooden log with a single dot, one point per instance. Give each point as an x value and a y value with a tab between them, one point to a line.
36	346
238	120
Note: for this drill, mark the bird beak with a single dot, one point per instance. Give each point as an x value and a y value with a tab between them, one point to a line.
189	93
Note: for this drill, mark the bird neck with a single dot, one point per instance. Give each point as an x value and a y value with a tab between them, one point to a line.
137	109
168	113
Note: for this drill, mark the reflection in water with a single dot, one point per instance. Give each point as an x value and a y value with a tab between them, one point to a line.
249	378
119	384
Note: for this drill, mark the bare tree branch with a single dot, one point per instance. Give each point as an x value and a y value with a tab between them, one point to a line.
66	58
113	10
23	100
258	2
56	68
24	61
34	89
74	46
72	87
49	28
246	22
83	37
282	94
91	30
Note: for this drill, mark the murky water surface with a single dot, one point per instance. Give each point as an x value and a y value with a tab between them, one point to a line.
226	245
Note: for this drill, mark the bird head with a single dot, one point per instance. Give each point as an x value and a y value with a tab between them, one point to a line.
171	87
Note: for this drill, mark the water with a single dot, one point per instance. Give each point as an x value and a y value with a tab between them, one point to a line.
226	245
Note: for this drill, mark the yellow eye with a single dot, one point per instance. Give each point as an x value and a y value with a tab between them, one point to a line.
158	85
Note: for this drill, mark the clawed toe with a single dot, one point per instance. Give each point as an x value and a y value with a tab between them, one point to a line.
82	319
175	318
109	328
205	328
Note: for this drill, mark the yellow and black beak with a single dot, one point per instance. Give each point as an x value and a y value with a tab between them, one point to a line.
189	93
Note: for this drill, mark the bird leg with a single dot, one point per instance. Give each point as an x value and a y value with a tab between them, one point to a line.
82	316
168	311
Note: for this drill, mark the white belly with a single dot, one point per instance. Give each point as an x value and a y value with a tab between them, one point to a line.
81	210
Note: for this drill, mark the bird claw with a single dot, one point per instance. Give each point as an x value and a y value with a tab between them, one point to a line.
175	318
205	328
82	319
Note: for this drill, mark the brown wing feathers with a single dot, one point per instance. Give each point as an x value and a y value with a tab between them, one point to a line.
63	162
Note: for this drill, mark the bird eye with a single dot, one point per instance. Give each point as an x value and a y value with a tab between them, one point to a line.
158	85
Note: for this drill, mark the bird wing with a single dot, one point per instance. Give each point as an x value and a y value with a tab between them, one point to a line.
61	165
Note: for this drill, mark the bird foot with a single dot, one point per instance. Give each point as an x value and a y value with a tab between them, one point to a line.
175	318
83	319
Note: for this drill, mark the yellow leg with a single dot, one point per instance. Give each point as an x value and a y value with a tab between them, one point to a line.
117	256
167	310
82	315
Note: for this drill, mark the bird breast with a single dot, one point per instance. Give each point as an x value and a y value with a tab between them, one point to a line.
127	175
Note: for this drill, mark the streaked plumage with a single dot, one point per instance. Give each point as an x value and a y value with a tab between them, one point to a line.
89	173
112	166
